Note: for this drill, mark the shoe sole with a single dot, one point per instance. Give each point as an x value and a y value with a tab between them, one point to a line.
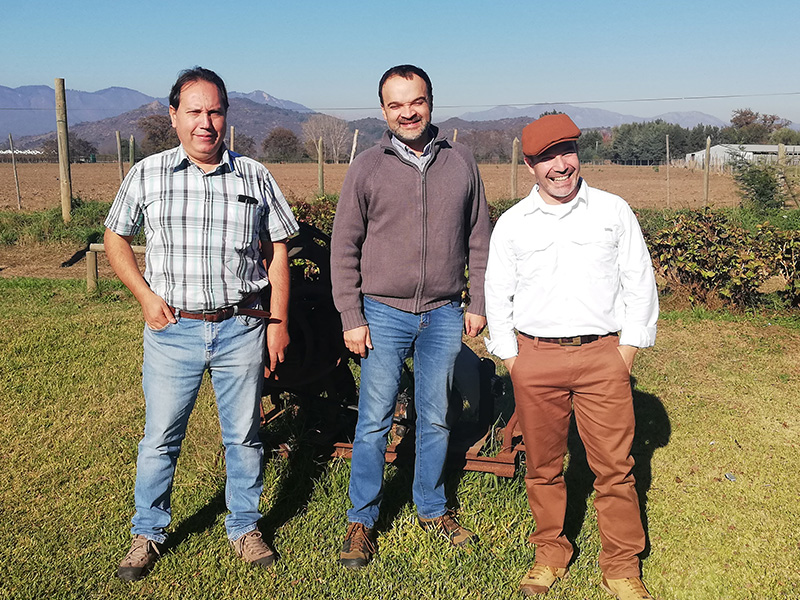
354	564
528	592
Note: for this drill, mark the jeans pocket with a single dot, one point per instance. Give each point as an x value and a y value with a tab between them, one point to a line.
248	321
160	329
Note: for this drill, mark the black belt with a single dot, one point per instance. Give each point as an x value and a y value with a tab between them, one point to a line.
225	313
578	340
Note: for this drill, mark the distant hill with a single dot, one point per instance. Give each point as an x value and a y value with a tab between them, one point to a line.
585	117
30	110
248	118
260	97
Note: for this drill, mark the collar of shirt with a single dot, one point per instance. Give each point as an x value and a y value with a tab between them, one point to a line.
535	202
227	163
417	159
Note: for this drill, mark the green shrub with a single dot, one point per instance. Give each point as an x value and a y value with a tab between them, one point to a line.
318	212
705	253
759	184
498	207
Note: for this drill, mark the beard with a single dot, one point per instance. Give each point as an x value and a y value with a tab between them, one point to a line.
411	136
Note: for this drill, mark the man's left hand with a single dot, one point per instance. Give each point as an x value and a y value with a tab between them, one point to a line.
277	342
628	353
473	324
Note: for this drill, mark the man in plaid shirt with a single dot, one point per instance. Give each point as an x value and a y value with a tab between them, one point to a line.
209	216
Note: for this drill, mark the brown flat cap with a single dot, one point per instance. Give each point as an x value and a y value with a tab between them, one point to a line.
547	131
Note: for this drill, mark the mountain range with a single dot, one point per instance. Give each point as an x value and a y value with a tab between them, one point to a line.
27	113
30	110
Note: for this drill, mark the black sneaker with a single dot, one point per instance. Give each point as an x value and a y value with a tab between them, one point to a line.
358	548
139	559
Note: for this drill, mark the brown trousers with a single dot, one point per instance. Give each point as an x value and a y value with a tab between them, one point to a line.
550	381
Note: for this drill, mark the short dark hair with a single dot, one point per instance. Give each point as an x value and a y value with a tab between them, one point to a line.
197	74
406	72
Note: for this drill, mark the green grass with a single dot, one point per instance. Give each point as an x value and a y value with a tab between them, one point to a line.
716	396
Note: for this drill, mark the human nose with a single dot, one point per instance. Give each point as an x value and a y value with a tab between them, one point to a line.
407	111
559	164
205	120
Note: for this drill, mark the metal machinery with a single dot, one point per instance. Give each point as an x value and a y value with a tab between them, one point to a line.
318	378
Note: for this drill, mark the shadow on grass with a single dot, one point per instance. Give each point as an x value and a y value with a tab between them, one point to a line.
652	431
200	521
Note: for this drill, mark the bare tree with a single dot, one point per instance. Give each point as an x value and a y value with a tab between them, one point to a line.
334	134
245	145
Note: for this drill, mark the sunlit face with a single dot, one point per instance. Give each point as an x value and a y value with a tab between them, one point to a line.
199	122
407	110
557	170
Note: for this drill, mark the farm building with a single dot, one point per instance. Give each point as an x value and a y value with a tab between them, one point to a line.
722	154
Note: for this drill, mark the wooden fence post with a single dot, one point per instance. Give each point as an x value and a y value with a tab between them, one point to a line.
14	166
668	171
353	149
706	171
132	150
232	139
65	176
514	163
119	158
455	134
91	271
320	168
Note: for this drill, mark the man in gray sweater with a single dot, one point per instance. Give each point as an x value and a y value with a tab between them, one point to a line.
412	217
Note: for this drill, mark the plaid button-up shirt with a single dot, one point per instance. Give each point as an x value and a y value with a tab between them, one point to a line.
202	229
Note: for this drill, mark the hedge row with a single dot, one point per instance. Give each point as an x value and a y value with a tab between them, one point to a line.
714	257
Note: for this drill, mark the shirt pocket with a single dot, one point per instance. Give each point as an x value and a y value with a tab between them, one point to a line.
596	250
536	256
241	224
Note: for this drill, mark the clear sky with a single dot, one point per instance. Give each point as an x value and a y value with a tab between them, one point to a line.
329	55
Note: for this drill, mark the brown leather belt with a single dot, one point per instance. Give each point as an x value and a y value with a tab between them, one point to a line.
225	313
578	340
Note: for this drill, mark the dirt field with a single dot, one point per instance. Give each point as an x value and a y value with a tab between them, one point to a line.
642	187
39	186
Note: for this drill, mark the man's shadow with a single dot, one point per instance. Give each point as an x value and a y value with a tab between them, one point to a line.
306	463
652	431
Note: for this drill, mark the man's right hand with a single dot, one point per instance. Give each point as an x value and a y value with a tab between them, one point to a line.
358	341
156	312
509	363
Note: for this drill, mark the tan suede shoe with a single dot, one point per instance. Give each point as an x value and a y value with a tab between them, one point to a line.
540	578
631	588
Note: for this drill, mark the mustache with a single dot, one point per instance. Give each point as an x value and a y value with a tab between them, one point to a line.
416	119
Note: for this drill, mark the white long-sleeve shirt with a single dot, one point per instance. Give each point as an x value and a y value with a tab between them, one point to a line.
579	268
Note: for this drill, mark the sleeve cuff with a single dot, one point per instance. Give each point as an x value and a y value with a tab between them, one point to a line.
503	348
353	318
638	336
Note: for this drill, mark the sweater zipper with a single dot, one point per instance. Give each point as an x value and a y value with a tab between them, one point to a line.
418	299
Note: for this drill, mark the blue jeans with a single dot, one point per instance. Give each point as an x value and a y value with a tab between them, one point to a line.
435	338
175	359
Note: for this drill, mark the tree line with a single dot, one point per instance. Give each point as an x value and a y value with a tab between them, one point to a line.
631	142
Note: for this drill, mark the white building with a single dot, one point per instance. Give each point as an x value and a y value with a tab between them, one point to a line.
722	154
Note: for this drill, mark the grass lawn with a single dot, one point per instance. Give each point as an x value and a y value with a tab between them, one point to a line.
716	448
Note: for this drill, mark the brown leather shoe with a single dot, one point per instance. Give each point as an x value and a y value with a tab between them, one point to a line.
251	548
139	560
449	528
359	546
631	588
540	578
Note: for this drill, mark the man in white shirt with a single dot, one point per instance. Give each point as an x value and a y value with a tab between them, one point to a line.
569	271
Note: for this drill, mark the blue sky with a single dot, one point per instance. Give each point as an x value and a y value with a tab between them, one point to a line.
330	55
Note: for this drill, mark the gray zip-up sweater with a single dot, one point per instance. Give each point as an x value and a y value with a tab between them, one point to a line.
404	237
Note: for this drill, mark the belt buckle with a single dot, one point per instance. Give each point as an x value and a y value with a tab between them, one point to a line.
210	316
573	341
